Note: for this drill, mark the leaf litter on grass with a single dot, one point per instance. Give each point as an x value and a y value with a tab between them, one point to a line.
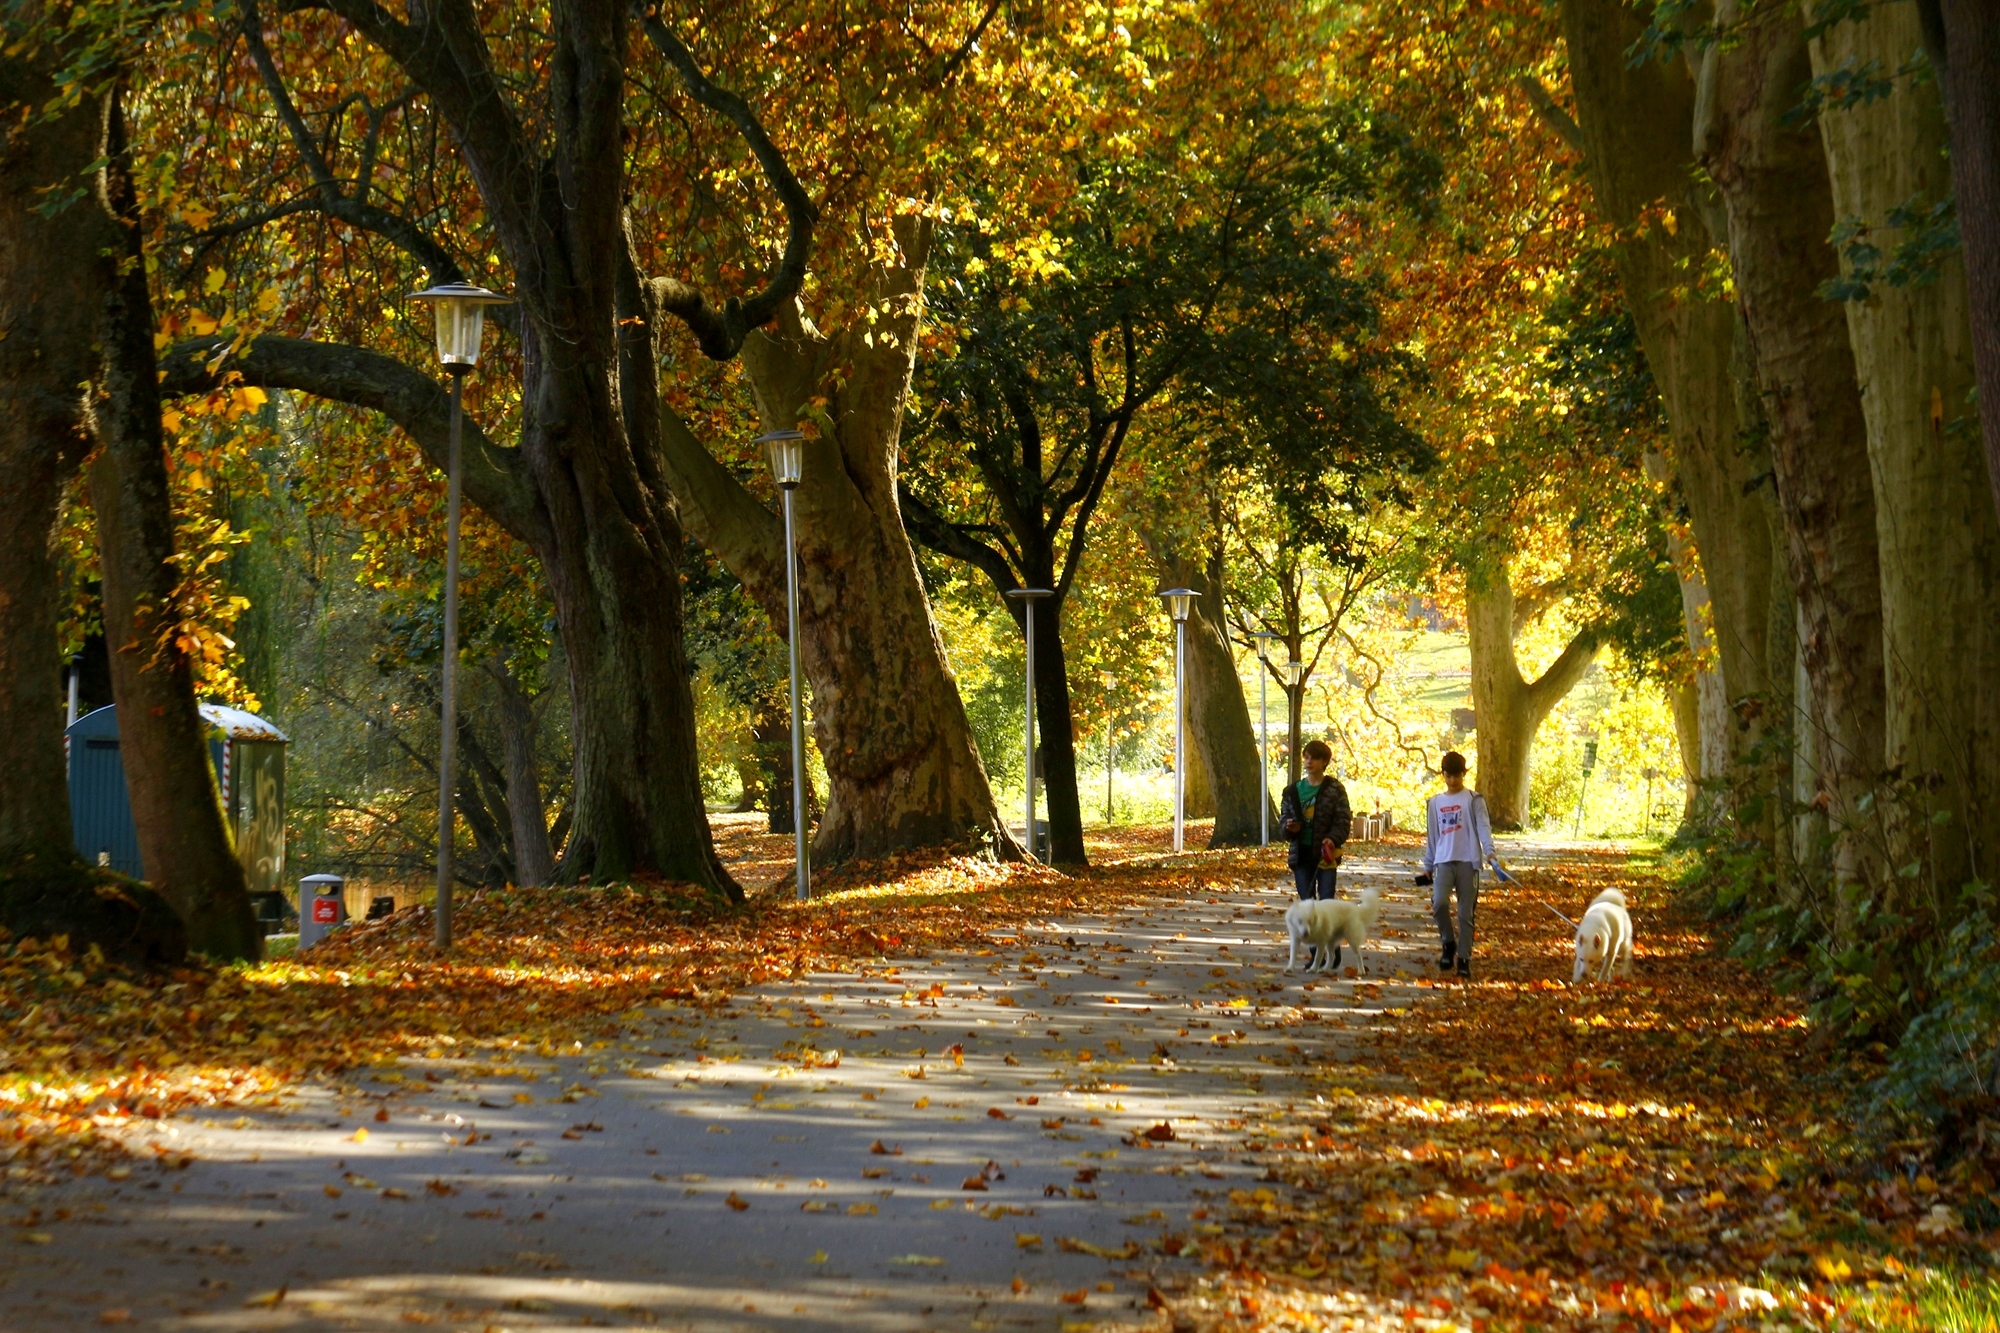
1672	1153
93	1048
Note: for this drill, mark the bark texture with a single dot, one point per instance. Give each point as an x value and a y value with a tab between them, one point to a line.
527	816
1772	172
177	812
1936	530
1510	707
1636	124
51	285
1963	39
1055	741
902	767
48	297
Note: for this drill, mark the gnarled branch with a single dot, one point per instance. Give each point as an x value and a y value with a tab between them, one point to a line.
720	333
354	209
494	478
940	534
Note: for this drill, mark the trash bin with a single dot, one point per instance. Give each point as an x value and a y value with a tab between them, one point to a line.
322	907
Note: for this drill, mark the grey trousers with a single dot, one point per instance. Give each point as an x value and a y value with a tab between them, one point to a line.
1460	878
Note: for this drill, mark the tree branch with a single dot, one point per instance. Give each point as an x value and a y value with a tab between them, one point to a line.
1563	674
720	333
353	210
1551	111
494	478
965	47
940	534
444	53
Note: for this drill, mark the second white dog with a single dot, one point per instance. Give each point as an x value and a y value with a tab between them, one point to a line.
1324	924
1604	939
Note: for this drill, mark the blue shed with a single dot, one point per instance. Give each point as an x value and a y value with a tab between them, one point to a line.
249	758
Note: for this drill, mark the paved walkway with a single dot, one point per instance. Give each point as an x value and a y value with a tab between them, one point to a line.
970	1141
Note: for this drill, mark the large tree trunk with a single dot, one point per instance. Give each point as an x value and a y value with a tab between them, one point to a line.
1055	741
1218	717
1636	128
902	767
771	733
176	806
51	290
1684	697
1963	40
1510	708
527	816
1200	794
611	547
1772	173
1700	702
1935	523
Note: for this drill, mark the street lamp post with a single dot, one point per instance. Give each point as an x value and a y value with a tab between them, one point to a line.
1028	597
1180	601
1263	638
787	452
460	308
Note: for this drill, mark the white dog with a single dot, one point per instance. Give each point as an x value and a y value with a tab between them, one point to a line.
1324	924
1604	939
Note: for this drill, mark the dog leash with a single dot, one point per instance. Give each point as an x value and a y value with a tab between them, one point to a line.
1565	920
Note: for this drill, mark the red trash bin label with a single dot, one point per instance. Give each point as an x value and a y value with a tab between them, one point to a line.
326	911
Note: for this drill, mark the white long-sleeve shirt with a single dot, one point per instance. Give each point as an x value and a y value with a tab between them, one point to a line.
1457	829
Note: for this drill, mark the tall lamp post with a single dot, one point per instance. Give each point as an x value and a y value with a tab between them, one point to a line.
1292	673
787	451
1263	638
1180	601
460	308
1028	597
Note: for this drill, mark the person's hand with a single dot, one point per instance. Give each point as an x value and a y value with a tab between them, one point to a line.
1424	879
1328	852
1291	826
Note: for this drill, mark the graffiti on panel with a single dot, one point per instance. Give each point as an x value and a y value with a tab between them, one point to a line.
260	814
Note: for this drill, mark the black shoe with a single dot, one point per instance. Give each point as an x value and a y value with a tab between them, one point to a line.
1465	968
1444	959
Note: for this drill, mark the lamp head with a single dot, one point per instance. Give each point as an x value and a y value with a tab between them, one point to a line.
787	451
1180	602
1263	638
461	319
1294	671
1030	594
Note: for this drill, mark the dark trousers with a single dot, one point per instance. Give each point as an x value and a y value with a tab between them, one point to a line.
1313	882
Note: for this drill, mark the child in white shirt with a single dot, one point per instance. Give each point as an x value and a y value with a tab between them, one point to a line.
1458	837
